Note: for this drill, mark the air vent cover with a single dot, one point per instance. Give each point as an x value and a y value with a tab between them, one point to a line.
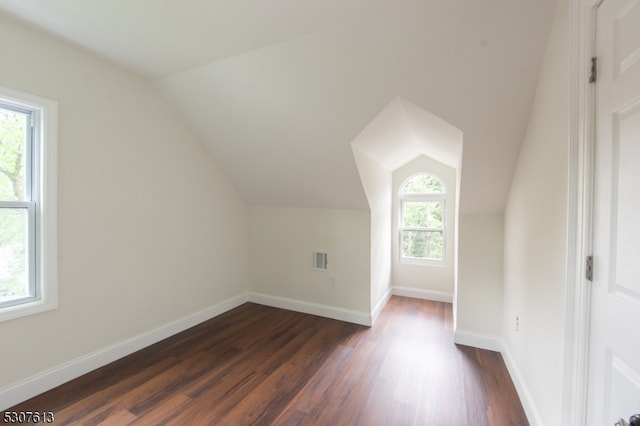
319	261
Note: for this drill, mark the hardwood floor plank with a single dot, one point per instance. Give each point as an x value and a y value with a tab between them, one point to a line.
317	388
81	401
261	365
122	417
162	414
211	407
265	403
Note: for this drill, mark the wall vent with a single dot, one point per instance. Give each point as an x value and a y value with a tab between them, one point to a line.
319	261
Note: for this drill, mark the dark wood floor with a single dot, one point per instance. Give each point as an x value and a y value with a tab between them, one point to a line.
261	365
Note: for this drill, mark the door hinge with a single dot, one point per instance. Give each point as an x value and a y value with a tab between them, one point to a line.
593	73
589	268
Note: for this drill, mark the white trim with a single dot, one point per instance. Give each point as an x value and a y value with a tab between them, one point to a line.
356	317
23	390
497	344
580	187
530	409
427	198
377	310
440	197
55	376
477	340
46	204
35	385
418	293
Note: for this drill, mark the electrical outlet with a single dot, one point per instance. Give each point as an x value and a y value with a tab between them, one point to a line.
333	281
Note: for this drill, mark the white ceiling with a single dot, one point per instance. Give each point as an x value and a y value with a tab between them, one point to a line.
278	90
163	37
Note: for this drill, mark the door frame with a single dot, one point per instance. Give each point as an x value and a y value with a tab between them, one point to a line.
580	210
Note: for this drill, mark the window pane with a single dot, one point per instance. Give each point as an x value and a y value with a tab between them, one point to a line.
422	214
414	243
414	214
13	136
14	281
422	244
422	184
434	215
435	247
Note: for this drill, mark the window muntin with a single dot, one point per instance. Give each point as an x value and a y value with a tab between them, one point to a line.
422	218
28	269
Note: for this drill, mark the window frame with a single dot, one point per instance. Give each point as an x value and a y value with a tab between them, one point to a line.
40	203
427	197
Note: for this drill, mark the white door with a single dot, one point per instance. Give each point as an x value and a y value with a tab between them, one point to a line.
614	356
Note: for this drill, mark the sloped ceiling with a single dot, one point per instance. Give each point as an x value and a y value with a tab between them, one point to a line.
278	90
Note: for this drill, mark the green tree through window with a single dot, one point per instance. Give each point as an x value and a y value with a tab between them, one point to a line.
14	277
422	221
28	199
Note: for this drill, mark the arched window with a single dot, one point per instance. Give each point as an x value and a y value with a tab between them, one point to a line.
422	218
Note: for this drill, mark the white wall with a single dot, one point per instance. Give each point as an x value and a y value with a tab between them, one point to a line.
149	230
377	182
535	233
431	281
479	298
281	242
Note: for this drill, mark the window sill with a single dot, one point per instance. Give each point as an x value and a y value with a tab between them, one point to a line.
422	262
25	309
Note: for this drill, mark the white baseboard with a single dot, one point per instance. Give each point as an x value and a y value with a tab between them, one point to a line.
380	306
418	293
493	343
533	415
477	340
356	317
32	386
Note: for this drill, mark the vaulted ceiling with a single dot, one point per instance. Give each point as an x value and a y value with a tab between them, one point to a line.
278	90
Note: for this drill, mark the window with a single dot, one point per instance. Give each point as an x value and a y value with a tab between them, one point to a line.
422	218
27	204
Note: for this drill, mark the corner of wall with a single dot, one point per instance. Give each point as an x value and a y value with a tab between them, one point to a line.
534	292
